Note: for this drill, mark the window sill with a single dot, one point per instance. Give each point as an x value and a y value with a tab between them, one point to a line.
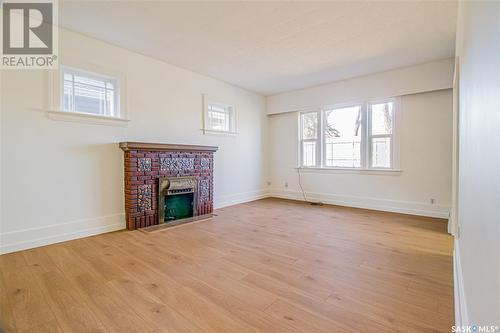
215	132
87	118
351	170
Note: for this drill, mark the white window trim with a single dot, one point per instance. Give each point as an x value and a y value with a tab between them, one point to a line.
365	138
54	107
86	118
233	118
395	161
101	77
372	171
317	140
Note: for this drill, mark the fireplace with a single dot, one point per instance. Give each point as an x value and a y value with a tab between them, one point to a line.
165	183
177	198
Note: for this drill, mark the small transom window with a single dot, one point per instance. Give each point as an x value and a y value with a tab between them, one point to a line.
219	118
89	93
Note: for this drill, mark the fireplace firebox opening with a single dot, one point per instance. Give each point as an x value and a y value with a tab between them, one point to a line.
177	198
178	206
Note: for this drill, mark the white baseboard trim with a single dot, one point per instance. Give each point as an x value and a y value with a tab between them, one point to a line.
461	316
234	199
34	237
395	206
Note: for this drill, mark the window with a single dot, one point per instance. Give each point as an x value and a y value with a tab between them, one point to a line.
90	93
352	136
310	139
380	135
219	118
342	132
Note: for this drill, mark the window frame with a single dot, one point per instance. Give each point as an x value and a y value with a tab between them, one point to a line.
232	121
366	136
117	113
317	140
371	136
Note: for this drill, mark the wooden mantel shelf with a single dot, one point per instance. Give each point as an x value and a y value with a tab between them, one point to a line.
126	146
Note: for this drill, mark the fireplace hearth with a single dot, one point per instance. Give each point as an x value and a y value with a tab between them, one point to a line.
166	183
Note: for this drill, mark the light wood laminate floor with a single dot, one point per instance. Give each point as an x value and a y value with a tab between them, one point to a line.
266	266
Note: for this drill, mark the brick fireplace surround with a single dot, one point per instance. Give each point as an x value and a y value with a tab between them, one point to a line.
145	163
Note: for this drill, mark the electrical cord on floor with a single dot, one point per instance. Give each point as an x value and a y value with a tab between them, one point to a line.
300	184
319	203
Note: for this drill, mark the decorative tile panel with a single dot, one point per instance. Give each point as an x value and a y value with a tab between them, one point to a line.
144	197
205	163
204	190
187	163
176	163
166	164
143	164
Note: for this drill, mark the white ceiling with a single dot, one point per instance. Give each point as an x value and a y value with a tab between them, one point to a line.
271	47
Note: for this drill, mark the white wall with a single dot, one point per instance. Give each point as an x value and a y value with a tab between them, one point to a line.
425	160
62	180
431	76
477	250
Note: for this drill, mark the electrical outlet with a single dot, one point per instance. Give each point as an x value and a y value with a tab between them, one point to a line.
433	201
286	184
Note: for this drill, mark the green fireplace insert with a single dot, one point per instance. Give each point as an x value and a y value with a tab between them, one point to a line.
178	206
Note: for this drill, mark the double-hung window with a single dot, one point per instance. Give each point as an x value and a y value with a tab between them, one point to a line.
357	136
91	93
310	142
381	122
